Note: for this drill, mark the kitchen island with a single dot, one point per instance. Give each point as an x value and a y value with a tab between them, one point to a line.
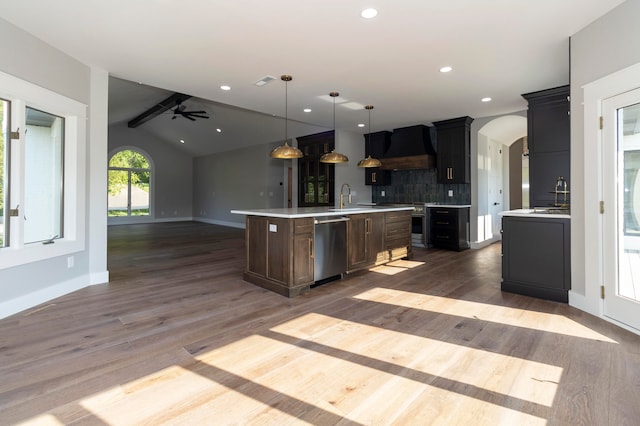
536	253
288	249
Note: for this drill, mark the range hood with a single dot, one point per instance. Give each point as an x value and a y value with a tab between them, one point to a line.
411	148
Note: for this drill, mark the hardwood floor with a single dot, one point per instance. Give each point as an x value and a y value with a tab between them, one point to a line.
178	338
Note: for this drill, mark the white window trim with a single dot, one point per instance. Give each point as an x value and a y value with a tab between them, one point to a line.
21	94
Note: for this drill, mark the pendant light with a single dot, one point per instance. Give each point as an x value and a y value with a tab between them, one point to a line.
333	156
285	151
369	162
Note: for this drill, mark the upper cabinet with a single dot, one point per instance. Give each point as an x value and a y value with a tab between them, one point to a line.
548	129
315	179
375	145
453	150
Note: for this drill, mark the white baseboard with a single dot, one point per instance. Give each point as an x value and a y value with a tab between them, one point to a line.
220	222
99	278
21	303
485	243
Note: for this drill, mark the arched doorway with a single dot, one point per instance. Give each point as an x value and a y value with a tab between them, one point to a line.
129	184
494	139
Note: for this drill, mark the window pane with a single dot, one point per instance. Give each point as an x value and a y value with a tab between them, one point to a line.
118	200
139	193
44	176
4	173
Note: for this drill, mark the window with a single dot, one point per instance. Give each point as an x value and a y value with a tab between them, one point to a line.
129	184
42	173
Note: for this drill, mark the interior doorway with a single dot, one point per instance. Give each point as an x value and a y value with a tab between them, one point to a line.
495	167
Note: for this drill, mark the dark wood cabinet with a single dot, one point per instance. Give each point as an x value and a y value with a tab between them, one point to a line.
449	227
375	145
316	180
280	253
397	234
548	139
453	159
536	257
365	236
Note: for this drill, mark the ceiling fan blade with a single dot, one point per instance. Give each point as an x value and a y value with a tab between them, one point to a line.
186	116
194	112
197	115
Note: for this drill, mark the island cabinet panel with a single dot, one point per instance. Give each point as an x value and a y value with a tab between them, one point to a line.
536	257
397	234
365	237
280	254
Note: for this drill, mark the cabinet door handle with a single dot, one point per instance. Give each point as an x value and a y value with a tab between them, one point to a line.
373	176
311	254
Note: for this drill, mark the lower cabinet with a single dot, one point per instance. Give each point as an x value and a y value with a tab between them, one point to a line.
536	257
280	254
280	251
365	236
449	227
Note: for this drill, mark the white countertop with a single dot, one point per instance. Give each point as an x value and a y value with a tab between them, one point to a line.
449	206
533	213
298	212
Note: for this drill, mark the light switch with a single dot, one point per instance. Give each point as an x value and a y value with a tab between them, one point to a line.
273	227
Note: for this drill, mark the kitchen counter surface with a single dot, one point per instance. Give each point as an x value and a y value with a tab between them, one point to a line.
551	214
450	206
300	212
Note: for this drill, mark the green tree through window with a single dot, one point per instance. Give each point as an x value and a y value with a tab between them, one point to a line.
129	184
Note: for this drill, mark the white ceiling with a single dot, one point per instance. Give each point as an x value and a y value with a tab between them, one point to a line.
497	48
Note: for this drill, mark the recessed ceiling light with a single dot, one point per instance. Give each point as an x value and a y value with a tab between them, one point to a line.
360	124
219	130
446	69
181	140
307	110
225	87
487	99
369	13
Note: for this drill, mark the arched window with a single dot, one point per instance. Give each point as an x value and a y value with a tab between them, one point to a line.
129	184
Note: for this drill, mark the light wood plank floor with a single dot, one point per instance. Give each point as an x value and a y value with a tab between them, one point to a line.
178	338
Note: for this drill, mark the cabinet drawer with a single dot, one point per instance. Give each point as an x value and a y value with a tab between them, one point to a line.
443	218
444	236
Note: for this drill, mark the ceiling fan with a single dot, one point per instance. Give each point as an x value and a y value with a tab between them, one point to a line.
181	110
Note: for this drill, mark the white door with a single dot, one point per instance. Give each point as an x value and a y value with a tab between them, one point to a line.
621	217
494	193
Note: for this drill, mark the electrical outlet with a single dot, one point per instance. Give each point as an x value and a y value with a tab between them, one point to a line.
451	193
382	193
70	262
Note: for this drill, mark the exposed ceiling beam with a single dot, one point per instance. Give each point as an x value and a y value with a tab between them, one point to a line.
158	109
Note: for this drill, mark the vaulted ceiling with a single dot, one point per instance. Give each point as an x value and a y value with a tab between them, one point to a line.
497	48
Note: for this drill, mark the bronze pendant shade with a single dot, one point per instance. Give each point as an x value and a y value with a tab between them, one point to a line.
333	156
286	151
369	162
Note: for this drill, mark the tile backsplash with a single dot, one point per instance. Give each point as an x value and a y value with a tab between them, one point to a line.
420	186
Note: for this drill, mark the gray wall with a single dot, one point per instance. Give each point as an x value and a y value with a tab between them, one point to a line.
515	174
607	45
30	59
173	171
241	179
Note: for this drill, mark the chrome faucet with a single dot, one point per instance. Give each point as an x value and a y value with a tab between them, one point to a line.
342	195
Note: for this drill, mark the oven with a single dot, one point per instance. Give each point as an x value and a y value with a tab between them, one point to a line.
418	225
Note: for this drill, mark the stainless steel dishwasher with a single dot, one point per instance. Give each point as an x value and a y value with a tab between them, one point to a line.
330	247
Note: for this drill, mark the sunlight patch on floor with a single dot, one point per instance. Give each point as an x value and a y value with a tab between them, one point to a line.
430	359
43	420
534	320
395	267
